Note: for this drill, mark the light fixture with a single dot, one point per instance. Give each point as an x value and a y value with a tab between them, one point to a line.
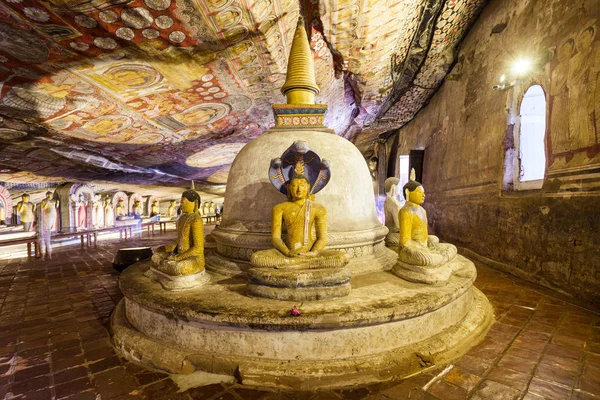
521	66
518	69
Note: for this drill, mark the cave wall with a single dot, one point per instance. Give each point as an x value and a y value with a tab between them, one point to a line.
551	235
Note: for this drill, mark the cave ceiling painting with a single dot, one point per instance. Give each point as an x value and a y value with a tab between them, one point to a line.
161	91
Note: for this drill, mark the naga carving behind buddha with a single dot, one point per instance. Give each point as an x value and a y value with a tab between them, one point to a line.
421	257
298	267
180	265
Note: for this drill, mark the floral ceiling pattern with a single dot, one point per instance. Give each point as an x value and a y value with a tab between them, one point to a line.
161	91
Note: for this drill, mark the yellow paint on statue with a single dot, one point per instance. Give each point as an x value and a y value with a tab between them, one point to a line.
186	255
416	246
306	225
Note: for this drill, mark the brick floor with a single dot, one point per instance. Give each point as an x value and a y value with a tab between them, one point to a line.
54	342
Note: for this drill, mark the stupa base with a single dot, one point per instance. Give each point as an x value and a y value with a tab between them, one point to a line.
385	329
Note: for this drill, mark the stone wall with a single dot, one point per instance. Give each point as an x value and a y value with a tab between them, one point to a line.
550	235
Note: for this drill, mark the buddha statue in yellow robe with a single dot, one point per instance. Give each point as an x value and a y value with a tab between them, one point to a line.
186	255
26	211
154	209
306	226
419	252
298	267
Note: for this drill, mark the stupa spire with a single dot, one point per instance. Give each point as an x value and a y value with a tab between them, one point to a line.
300	86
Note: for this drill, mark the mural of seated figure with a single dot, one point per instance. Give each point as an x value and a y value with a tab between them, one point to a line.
421	257
299	267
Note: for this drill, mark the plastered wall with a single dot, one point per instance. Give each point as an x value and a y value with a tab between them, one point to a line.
550	235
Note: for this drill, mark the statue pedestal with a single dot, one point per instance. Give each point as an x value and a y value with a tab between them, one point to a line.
178	283
299	285
386	328
437	275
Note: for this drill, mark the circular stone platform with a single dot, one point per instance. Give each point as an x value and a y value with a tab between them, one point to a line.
386	328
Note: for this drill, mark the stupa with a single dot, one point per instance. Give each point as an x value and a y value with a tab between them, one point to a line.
249	197
377	327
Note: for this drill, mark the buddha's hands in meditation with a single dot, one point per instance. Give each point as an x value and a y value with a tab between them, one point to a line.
307	254
169	248
173	258
432	241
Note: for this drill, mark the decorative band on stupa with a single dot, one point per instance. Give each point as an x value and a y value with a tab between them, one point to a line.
300	87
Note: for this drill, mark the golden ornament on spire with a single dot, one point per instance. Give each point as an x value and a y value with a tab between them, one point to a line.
300	86
413	175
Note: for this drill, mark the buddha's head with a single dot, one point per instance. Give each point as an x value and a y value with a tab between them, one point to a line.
136	203
155	203
298	187
48	195
190	201
172	202
390	185
25	197
414	192
120	203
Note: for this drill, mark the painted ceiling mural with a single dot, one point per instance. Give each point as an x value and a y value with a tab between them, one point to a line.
162	91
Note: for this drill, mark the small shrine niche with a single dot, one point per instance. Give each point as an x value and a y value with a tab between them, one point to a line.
76	206
6	206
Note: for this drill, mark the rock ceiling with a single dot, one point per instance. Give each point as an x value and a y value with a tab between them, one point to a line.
157	91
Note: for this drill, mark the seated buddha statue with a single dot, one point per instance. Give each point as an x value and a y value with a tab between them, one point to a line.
306	226
154	209
391	208
419	252
186	255
120	210
298	267
136	209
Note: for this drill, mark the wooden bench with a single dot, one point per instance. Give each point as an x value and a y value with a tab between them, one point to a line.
163	225
123	230
28	241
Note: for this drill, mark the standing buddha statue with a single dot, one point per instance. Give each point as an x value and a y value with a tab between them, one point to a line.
172	210
46	223
109	213
81	212
26	210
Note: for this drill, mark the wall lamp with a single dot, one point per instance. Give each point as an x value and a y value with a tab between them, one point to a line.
519	68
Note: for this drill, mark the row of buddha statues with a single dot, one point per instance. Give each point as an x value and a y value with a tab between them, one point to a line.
298	266
98	213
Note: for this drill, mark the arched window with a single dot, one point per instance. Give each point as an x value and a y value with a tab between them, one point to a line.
530	165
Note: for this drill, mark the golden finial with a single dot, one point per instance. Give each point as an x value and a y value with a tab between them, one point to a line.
413	175
300	86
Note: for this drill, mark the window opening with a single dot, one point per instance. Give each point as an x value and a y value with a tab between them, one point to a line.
532	154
